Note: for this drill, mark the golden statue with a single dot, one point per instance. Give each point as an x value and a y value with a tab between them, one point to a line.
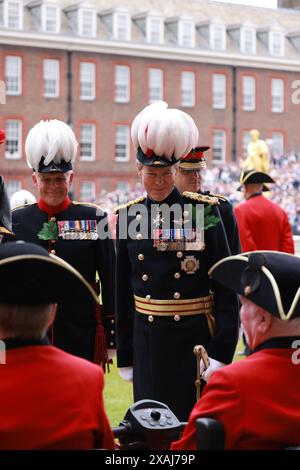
258	154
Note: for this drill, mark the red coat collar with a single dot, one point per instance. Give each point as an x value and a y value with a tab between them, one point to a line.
54	209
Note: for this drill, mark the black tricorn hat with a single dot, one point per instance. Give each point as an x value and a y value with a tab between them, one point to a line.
5	213
270	279
30	275
151	159
255	177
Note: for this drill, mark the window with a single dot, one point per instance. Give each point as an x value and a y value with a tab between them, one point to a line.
51	78
277	92
248	40
87	80
13	75
219	142
87	142
13	14
122	134
188	89
122	84
50	18
155	30
219	91
276	44
87	191
246	141
156	84
122	26
87	22
278	143
218	37
12	186
249	86
13	143
186	34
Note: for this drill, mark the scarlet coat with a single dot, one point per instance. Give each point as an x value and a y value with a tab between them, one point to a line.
263	225
51	400
257	399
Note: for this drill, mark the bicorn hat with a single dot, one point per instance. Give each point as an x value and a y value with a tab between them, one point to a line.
30	275
255	177
270	279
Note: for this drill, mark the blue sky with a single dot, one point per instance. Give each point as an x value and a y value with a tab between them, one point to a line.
266	3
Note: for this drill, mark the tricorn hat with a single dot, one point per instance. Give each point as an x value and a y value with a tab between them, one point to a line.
195	160
255	177
270	279
51	146
30	275
5	214
162	136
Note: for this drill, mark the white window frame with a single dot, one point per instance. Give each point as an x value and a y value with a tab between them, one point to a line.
16	75
17	155
6	14
154	35
92	185
91	142
277	95
155	84
87	76
222	148
248	97
188	88
244	42
246	140
122	83
120	32
186	37
276	49
45	18
54	76
214	40
123	141
219	84
281	135
89	32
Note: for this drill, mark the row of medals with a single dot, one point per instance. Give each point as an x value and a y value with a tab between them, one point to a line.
77	229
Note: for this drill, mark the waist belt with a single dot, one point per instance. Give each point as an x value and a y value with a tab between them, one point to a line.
182	307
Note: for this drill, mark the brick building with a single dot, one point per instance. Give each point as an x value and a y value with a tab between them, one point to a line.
231	67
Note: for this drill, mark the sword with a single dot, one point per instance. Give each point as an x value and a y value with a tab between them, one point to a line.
200	353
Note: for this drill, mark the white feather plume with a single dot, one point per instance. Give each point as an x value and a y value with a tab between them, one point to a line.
54	140
167	132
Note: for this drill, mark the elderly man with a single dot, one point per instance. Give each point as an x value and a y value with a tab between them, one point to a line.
257	399
49	399
165	304
69	230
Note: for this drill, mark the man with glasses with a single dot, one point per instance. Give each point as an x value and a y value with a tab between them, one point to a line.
69	230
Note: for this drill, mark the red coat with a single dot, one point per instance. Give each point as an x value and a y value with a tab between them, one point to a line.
51	400
263	225
257	399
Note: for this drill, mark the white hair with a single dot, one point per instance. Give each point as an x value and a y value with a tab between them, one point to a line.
54	140
166	132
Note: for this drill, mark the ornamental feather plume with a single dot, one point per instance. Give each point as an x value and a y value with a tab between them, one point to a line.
54	140
2	136
21	197
166	132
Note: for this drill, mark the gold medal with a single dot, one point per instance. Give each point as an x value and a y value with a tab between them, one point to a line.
190	264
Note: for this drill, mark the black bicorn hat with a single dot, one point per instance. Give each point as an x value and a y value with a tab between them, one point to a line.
5	213
269	279
255	177
30	276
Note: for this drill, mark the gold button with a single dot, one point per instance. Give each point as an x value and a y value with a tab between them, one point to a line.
148	297
112	321
138	217
151	318
141	257
177	275
179	254
139	236
52	241
112	332
176	317
52	219
53	252
111	343
176	295
145	277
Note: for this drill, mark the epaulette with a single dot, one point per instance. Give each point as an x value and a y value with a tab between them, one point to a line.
220	197
88	204
20	206
213	201
5	231
128	204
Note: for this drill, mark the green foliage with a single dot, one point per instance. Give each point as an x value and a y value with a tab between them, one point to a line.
210	220
49	231
118	395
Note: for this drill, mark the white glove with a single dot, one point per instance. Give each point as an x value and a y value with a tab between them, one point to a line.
111	354
213	366
126	373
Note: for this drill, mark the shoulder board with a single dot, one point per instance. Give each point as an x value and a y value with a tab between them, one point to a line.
213	201
128	204
5	231
88	204
21	206
220	197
